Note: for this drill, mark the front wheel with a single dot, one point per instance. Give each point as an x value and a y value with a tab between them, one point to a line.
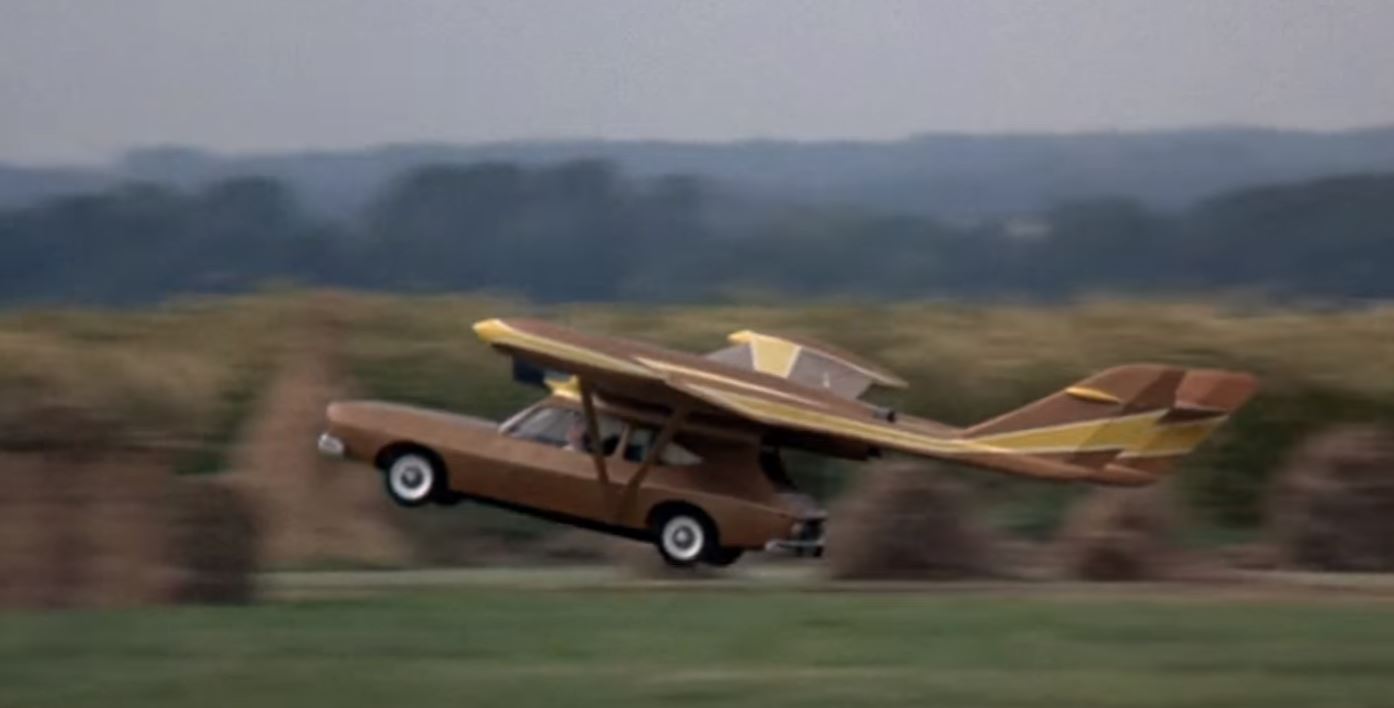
412	479
684	538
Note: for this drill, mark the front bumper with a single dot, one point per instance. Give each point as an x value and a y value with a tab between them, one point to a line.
331	446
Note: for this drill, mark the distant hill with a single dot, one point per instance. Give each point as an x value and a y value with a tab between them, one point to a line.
20	186
951	176
585	230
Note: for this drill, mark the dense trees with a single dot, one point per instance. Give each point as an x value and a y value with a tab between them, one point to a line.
582	231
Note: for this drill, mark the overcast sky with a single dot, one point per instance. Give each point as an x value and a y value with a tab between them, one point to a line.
82	80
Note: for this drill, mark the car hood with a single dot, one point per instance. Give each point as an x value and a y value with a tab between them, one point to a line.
360	412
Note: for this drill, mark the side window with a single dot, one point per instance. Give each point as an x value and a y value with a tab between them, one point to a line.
566	428
637	446
673	455
609	429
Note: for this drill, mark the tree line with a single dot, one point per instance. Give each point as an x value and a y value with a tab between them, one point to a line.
584	231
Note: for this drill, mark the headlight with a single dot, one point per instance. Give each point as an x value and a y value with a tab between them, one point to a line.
330	445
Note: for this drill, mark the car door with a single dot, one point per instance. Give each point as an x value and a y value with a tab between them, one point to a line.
551	468
676	473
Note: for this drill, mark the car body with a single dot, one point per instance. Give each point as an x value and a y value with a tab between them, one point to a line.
527	464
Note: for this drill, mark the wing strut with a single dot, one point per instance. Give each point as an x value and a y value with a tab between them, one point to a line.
593	433
665	436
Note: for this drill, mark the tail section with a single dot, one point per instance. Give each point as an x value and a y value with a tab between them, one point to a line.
1205	399
1089	423
1123	426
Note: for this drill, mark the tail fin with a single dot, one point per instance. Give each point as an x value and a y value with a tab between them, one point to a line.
1205	399
1126	425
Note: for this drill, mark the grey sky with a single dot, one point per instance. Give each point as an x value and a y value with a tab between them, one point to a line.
81	80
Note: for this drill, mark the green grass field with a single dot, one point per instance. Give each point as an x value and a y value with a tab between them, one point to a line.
500	647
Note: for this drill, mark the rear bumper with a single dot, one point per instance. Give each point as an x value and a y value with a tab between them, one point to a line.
331	446
812	549
806	540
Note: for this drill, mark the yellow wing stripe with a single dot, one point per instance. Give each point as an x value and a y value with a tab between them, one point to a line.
1092	394
1168	439
1138	435
710	376
775	411
1104	434
1115	433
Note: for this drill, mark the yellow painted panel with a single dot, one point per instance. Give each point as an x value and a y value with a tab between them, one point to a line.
1175	438
1101	434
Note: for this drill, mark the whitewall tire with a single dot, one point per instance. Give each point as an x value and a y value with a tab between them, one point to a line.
684	538
413	479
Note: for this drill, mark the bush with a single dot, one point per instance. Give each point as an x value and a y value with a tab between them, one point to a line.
1333	506
907	521
116	529
1120	534
211	542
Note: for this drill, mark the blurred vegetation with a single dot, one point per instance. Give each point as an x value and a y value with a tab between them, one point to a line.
184	375
179	377
584	231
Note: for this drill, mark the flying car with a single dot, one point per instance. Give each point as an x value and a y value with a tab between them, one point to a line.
686	451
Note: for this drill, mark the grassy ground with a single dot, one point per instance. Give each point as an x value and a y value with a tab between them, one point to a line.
498	647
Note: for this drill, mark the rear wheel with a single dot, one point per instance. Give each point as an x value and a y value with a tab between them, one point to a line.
684	537
412	479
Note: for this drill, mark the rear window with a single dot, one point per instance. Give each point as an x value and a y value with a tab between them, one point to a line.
673	455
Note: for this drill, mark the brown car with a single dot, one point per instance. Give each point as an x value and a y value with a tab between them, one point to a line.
684	450
710	495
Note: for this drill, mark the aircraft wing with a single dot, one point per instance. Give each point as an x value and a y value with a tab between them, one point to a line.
633	370
1122	426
